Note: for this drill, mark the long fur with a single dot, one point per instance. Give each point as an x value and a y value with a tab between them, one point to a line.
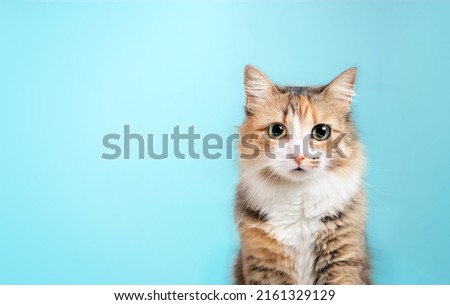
303	226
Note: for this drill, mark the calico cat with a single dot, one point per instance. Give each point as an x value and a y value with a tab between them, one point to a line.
300	206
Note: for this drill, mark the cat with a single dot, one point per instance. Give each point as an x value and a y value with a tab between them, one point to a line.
300	209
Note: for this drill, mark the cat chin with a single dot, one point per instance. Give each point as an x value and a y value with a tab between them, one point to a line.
295	175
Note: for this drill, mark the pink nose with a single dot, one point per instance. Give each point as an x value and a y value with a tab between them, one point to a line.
299	159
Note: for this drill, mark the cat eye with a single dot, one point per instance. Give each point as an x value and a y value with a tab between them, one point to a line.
321	132
276	131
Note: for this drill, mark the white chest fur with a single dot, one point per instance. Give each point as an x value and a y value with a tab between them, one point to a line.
298	236
295	213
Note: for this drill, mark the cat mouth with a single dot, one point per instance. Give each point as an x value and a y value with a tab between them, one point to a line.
298	169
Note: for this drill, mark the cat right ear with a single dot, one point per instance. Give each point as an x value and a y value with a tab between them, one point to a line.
258	88
342	87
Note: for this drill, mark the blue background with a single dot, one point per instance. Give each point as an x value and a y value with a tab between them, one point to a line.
72	72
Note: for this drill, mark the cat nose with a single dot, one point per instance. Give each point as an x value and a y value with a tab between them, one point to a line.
298	159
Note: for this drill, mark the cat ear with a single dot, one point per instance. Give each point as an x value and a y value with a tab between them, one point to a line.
342	87
258	87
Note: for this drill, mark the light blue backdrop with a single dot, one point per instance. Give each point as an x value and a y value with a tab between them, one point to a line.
71	72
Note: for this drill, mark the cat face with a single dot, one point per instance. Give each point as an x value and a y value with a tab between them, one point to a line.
297	133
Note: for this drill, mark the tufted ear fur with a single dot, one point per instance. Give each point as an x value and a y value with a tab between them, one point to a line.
258	88
342	87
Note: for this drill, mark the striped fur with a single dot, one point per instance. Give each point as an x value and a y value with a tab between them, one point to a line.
303	226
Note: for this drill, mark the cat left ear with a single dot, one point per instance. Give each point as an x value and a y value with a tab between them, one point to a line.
342	87
258	88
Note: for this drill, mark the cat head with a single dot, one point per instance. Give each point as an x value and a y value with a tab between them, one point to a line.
297	133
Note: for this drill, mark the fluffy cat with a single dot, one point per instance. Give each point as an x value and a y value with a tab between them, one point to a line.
300	204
